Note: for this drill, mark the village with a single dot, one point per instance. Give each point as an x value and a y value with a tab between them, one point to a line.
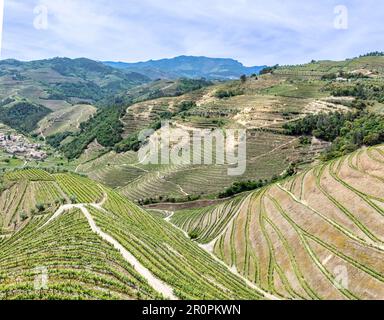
19	146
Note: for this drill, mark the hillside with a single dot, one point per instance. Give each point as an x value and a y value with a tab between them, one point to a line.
55	86
264	105
91	243
251	106
59	80
311	235
189	67
106	126
317	235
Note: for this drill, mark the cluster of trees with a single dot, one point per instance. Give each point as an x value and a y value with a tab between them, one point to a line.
367	129
23	116
168	199
371	90
325	126
81	90
373	54
132	143
243	186
186	105
343	74
105	127
347	131
222	94
268	70
194	234
188	85
55	140
6	101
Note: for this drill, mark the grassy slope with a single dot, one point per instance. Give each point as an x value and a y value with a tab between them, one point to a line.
297	239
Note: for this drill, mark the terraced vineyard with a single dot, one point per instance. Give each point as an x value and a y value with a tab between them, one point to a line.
30	174
100	247
317	69
78	264
65	119
82	189
315	236
138	181
261	105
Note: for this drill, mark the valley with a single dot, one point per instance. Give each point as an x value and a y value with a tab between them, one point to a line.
302	222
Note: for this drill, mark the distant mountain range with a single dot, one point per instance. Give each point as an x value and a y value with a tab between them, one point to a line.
63	79
29	91
189	67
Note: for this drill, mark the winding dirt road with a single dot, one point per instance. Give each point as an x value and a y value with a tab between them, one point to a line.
154	282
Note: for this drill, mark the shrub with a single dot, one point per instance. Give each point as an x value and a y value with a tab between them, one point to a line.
73	199
194	234
23	216
40	207
222	94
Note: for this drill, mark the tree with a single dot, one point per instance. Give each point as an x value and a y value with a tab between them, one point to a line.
193	234
23	216
40	207
372	139
73	199
243	78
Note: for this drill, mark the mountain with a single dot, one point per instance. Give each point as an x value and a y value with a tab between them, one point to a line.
265	105
63	79
189	67
37	88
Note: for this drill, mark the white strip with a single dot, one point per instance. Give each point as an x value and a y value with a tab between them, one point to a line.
155	283
208	249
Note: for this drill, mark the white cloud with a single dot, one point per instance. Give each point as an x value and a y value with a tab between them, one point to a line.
252	31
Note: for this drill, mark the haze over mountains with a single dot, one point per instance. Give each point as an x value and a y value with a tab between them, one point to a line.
189	67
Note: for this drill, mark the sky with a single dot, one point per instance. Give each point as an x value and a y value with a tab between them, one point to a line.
255	32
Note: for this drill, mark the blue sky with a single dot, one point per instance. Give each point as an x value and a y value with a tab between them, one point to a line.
255	32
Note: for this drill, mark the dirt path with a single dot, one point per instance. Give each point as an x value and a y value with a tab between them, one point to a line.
42	135
275	149
207	248
155	283
78	119
171	182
